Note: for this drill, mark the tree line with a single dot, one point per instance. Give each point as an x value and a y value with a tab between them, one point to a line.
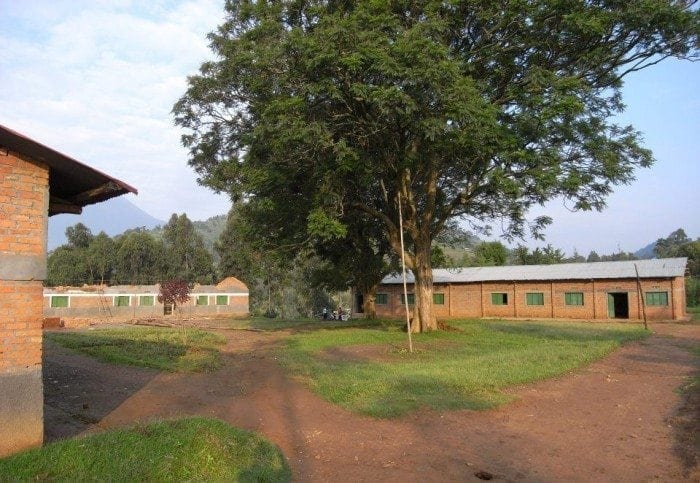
135	257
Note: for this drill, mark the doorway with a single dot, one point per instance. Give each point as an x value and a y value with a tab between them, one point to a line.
618	305
359	303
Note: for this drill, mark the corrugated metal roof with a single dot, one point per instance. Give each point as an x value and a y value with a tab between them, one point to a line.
657	268
69	179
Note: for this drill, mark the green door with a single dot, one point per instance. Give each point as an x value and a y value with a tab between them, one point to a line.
611	306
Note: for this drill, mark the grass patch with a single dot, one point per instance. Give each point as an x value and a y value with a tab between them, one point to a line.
694	313
276	324
185	350
450	370
193	449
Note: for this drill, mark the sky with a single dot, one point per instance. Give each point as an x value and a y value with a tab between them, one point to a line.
97	80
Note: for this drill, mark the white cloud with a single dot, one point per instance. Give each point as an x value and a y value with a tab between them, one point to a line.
97	81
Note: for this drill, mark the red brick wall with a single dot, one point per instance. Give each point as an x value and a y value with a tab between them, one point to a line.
474	299
23	219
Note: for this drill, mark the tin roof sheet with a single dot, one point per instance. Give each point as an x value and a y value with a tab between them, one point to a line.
657	268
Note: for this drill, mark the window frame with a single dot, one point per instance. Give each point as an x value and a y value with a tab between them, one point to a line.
381	299
199	298
411	299
439	295
117	298
574	299
656	299
503	298
534	299
150	298
59	297
219	297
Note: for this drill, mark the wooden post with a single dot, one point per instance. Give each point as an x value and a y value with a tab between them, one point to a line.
641	296
405	290
551	297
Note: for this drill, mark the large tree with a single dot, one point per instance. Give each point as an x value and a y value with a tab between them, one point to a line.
186	256
459	109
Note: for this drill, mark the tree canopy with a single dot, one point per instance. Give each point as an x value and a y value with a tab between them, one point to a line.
460	109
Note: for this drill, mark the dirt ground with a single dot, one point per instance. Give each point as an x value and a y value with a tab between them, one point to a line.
619	419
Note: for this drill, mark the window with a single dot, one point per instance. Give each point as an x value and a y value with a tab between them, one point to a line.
657	298
202	300
59	301
222	300
381	299
499	298
439	298
121	301
146	301
573	298
411	299
534	298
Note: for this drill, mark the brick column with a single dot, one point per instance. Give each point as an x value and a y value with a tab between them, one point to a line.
24	202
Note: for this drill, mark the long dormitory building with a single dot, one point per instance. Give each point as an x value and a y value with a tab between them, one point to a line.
593	291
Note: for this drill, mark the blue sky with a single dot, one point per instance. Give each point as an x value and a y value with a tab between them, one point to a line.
97	80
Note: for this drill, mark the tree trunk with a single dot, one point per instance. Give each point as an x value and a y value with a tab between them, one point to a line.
368	300
423	318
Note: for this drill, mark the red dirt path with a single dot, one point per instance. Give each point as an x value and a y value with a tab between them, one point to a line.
620	419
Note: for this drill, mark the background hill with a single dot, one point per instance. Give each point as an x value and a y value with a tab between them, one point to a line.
113	217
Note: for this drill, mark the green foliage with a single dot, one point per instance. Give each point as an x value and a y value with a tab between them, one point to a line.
489	254
458	110
677	244
183	350
449	370
79	236
593	257
187	258
66	266
191	449
692	291
140	259
539	256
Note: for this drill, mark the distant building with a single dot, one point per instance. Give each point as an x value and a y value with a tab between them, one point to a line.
93	304
35	182
594	291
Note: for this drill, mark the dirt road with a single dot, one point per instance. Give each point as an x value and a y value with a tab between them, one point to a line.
620	419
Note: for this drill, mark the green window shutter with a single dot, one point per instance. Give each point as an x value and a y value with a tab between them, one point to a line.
439	298
411	299
499	298
381	299
202	300
657	298
146	301
534	298
222	300
121	301
573	298
59	301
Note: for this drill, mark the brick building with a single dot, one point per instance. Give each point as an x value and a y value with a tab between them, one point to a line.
35	182
596	291
78	306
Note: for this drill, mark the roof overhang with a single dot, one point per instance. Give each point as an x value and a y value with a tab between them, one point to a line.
72	184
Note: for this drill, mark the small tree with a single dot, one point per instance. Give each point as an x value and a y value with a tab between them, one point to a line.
174	292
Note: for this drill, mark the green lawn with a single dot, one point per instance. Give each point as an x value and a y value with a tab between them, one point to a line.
194	449
186	350
450	370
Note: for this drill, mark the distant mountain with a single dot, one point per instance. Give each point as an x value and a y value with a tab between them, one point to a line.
647	252
113	217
